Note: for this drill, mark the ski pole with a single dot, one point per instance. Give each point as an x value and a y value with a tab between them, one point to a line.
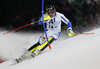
43	23
86	33
20	27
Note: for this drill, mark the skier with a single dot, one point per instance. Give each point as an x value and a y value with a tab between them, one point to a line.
53	31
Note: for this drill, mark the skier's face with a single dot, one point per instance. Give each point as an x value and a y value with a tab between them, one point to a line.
51	13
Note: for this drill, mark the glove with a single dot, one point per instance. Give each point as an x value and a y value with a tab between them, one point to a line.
40	22
70	32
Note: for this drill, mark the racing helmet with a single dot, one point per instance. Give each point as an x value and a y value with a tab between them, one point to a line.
50	8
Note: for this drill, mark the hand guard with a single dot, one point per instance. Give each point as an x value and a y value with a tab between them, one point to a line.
46	18
70	32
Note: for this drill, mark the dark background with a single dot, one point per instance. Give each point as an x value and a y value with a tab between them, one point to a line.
16	13
12	8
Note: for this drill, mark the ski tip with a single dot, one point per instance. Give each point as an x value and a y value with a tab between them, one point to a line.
2	60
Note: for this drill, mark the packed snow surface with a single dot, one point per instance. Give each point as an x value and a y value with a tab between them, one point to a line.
78	52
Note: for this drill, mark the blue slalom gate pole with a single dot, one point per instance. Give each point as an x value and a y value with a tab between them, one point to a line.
44	24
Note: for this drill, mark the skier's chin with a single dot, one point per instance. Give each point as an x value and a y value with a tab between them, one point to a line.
52	15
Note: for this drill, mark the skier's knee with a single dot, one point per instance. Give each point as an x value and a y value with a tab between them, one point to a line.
45	44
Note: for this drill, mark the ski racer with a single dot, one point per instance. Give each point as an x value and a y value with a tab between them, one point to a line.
53	31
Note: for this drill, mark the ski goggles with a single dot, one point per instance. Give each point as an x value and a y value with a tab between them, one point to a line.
51	12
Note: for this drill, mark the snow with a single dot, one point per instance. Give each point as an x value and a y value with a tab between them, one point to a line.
78	52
